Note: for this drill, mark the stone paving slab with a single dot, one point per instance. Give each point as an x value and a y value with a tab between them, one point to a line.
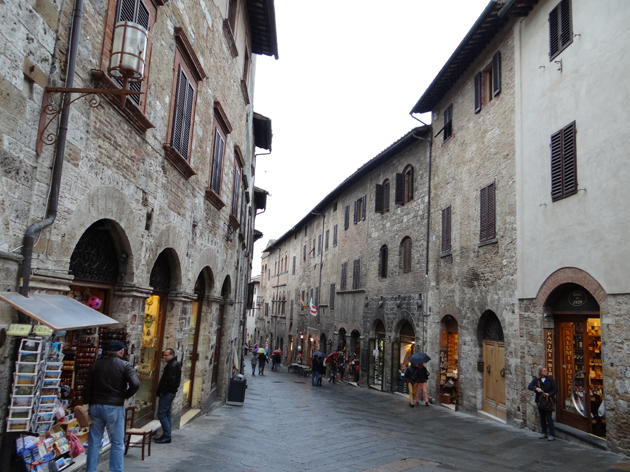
287	425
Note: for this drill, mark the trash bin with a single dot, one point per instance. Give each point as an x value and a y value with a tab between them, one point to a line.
236	392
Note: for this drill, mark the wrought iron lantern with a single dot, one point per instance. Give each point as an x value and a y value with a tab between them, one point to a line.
128	52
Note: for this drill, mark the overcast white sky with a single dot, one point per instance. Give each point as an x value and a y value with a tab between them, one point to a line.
349	73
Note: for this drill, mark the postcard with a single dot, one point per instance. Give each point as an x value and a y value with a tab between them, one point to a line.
23	389
31	358
43	427
49	383
52	375
26	368
25	379
45	417
19	413
17	425
47	399
30	345
22	402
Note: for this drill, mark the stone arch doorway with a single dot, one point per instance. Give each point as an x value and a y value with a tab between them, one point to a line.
448	383
493	348
226	290
164	276
191	375
341	344
577	357
402	348
376	356
354	362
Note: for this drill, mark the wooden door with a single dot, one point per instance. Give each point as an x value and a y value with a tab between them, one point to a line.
494	378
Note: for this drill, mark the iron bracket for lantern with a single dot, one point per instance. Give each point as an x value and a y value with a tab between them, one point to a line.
51	109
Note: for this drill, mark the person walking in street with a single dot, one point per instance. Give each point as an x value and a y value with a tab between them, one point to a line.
423	376
110	382
254	362
166	391
333	370
315	370
545	387
411	378
262	360
341	366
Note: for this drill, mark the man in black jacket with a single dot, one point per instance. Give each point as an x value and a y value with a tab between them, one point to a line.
110	382
167	389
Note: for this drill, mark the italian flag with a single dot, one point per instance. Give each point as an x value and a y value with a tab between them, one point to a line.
313	309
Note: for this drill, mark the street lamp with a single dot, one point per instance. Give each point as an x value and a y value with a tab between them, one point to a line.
128	52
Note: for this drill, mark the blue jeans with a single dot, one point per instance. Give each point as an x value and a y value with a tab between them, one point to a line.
546	422
315	378
164	413
112	417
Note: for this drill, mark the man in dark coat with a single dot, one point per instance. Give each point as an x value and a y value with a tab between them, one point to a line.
167	389
262	360
110	382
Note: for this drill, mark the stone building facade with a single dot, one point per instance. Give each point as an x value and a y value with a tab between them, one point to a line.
159	188
360	256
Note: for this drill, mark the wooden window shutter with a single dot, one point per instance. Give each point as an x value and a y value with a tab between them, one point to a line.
399	192
386	196
496	73
343	275
346	223
407	255
327	239
356	274
478	92
563	163
554	40
334	235
317	297
363	207
304	253
446	229
236	191
293	265
378	199
355	215
383	259
217	162
250	295
491	233
331	302
448	122
566	29
483	217
409	185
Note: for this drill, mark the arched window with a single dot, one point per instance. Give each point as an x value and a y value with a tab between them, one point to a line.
405	254
382	262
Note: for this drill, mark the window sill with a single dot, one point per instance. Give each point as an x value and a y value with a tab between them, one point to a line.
214	199
245	92
178	161
488	242
229	37
348	291
129	110
446	253
234	222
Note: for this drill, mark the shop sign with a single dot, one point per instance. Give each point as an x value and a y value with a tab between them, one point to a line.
19	330
549	350
567	340
577	298
41	330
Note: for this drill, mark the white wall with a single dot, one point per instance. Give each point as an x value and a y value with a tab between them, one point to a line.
588	230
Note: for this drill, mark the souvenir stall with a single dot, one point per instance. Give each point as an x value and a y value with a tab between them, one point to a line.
449	361
51	367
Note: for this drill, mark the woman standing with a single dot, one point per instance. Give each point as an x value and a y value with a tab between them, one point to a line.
423	376
544	385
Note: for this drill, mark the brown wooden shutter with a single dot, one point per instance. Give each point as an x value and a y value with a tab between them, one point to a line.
409	187
250	295
407	255
478	92
378	199
236	191
566	29
556	166
217	162
383	262
327	239
483	217
554	34
496	73
293	265
446	229
448	122
346	223
356	274
334	235
331	302
491	233
344	266
355	214
563	163
363	207
180	104
304	253
386	196
399	192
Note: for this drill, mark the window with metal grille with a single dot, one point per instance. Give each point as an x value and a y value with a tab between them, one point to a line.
405	254
136	12
331	301
356	274
217	161
335	236
448	122
560	28
344	270
382	262
446	229
563	163
487	206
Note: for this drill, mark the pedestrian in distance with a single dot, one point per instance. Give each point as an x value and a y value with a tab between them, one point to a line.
110	382
254	362
546	389
423	376
166	391
411	378
333	370
262	360
340	366
315	371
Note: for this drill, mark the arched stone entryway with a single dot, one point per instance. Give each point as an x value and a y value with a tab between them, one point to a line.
376	355
490	333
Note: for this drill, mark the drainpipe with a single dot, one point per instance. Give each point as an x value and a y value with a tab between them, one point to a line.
55	184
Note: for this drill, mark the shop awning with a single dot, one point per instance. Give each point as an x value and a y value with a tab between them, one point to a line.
58	312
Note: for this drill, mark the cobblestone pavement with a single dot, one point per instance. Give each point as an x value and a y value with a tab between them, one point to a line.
288	425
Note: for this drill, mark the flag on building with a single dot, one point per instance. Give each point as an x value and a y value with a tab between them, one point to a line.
313	309
303	304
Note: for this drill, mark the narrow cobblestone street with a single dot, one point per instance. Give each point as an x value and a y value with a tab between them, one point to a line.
288	425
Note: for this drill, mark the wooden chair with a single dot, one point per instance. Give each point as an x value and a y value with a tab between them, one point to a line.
147	434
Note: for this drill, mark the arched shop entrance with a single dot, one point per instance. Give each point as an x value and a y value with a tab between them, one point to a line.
341	340
493	365
377	357
577	360
191	348
153	335
404	347
449	361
